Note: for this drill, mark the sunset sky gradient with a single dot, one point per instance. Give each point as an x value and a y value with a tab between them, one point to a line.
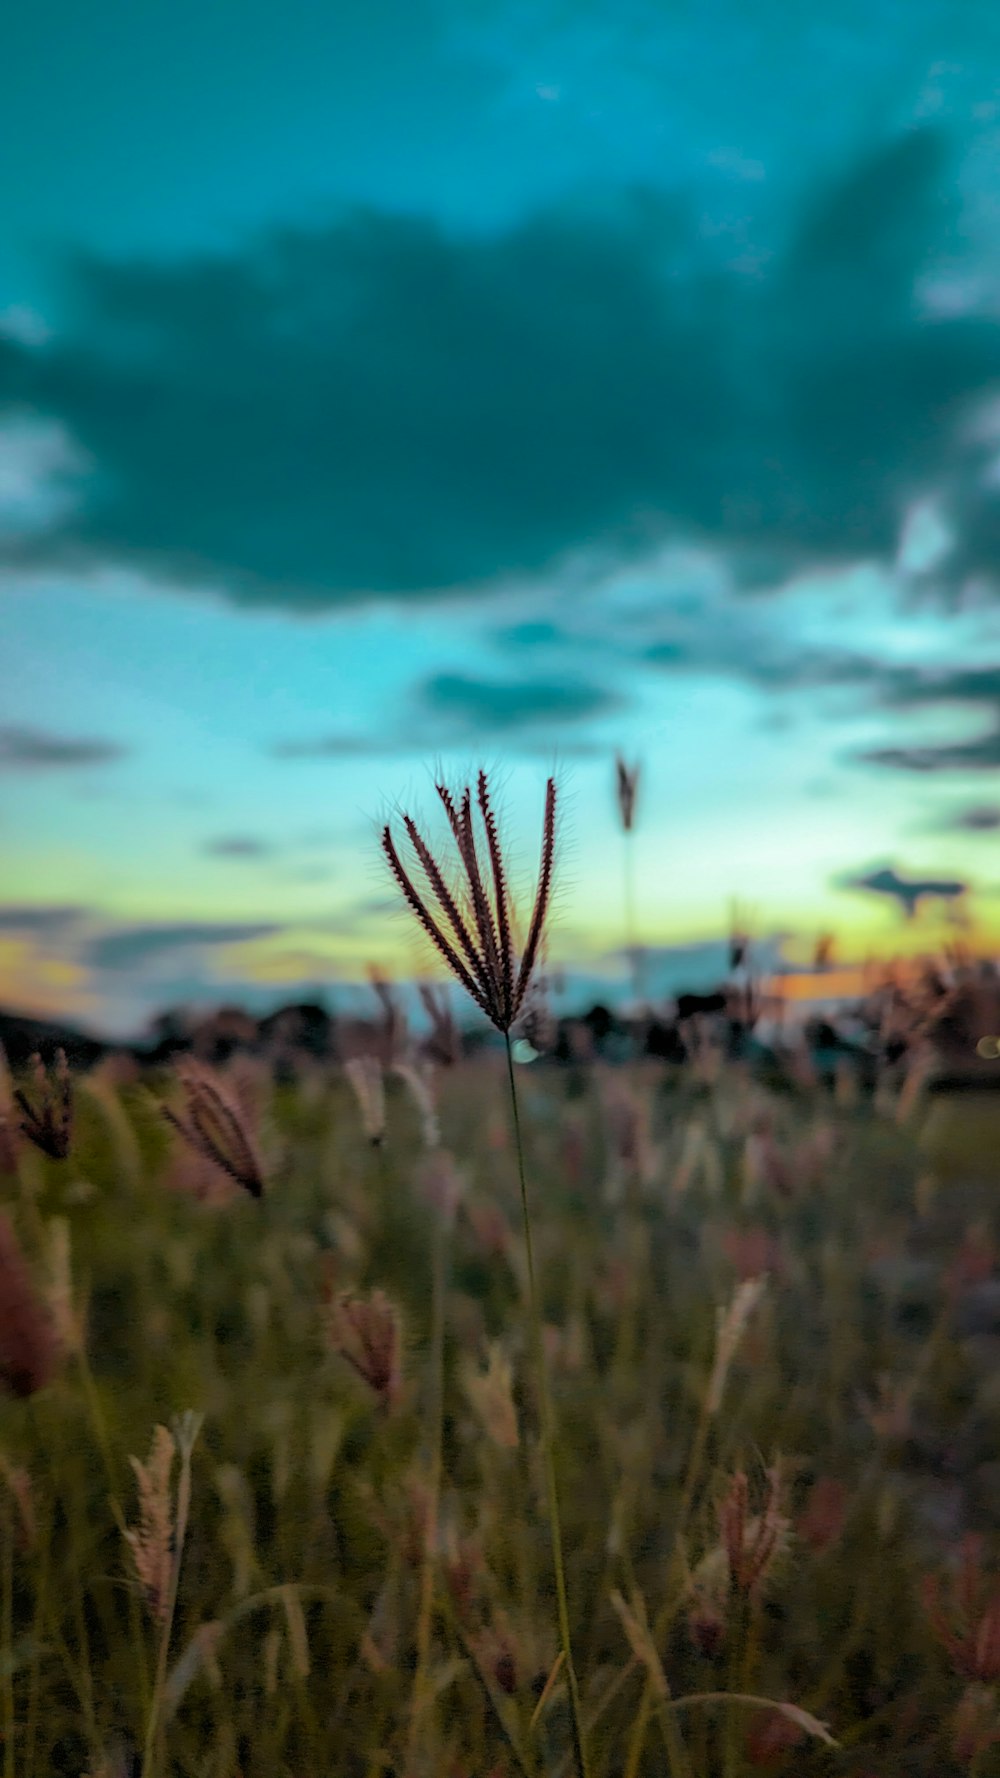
387	387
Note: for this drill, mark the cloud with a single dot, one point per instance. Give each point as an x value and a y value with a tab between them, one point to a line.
46	921
24	749
133	947
238	846
907	891
980	818
979	755
530	634
908	686
748	652
448	708
381	406
506	706
336	746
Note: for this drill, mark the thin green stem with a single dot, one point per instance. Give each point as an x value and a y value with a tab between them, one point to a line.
548	1440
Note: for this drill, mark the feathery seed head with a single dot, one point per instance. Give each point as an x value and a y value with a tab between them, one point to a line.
152	1540
470	927
491	1395
367	1082
218	1126
443	1044
365	1331
731	1325
753	1545
48	1122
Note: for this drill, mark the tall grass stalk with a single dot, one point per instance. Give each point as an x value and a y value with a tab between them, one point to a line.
696	1457
634	952
439	1288
10	1721
185	1443
627	789
548	1437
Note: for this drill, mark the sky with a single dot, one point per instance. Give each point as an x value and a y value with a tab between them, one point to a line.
389	389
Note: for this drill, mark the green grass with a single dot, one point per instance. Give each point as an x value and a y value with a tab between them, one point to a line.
315	1633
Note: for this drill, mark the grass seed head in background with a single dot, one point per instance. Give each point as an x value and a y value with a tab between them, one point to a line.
965	1615
48	1123
627	789
217	1127
731	1325
418	1079
392	1033
490	1393
28	1346
9	1127
471	928
152	1540
365	1332
367	1082
443	1043
753	1545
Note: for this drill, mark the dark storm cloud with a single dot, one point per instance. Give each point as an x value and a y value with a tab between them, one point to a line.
907	891
382	406
24	749
133	946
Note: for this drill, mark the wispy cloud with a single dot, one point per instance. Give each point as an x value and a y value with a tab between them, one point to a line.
980	818
133	947
981	754
46	921
450	709
480	706
238	846
24	749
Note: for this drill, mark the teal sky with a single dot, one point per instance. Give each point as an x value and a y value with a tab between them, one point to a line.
387	386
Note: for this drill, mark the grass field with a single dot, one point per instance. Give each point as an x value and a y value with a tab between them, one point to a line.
365	1584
